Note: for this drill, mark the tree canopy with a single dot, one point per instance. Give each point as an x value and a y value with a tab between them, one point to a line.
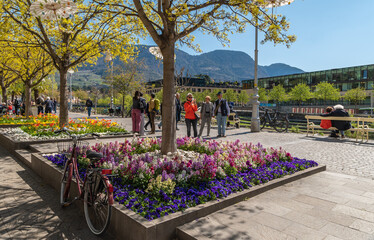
326	91
300	93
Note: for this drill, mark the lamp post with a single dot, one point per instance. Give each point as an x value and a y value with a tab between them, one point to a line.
255	120
109	58
71	71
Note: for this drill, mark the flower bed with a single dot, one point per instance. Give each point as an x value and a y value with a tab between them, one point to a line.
155	185
43	127
15	120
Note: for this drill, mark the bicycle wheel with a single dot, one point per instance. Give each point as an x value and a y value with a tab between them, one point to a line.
281	124
263	122
65	184
97	209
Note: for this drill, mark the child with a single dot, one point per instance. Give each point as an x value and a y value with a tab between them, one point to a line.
326	124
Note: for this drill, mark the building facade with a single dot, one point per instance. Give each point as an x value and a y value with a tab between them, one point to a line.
193	85
342	78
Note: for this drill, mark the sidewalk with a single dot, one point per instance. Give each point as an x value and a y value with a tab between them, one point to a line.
337	204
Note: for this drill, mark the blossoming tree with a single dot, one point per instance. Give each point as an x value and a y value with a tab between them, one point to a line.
75	40
169	22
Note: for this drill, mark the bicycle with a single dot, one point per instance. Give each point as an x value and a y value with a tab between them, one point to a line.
96	189
276	120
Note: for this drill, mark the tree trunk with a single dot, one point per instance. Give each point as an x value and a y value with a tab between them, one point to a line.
64	114
4	94
28	111
123	105
168	103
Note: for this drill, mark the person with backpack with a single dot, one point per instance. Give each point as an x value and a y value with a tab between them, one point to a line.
39	103
149	117
221	111
136	112
17	106
48	105
152	112
89	105
55	105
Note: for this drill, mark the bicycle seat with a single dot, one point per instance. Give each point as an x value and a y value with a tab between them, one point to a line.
94	155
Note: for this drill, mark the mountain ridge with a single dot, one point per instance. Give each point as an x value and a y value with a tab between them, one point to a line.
220	65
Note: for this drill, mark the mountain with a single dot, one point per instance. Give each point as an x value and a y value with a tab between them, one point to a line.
221	65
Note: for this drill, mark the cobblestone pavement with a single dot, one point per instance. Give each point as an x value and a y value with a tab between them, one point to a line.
343	204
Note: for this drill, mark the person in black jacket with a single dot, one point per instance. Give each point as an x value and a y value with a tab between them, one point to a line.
340	125
178	109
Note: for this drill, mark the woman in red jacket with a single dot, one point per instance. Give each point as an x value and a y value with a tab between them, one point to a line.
190	107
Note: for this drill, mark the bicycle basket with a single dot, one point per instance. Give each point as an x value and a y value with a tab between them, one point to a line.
67	147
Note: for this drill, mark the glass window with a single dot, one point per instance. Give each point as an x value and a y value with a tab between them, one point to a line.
351	74
370	85
371	72
358	73
345	75
329	76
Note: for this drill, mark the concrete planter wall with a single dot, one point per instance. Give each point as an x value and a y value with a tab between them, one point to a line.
12	145
126	224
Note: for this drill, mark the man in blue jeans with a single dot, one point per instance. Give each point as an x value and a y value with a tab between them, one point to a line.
89	105
221	111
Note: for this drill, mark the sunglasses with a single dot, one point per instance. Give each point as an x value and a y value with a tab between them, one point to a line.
189	97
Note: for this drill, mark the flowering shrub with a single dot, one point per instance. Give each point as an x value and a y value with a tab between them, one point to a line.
154	185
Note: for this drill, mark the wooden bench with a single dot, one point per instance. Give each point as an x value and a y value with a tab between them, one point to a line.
311	126
232	119
235	121
366	128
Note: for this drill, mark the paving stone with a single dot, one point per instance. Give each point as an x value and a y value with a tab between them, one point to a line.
273	221
303	232
363	226
343	232
364	215
306	220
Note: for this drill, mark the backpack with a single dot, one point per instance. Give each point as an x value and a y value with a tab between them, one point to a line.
142	103
157	105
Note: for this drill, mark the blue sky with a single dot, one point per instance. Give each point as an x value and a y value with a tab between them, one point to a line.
330	34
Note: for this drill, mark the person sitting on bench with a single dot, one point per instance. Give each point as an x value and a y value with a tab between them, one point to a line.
340	125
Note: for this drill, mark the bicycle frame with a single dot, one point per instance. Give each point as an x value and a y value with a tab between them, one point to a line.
73	163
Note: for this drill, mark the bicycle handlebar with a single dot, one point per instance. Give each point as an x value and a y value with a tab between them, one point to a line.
65	130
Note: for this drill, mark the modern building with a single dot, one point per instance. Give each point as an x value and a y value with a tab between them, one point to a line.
343	79
193	85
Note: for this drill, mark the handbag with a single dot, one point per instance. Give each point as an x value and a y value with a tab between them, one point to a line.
197	117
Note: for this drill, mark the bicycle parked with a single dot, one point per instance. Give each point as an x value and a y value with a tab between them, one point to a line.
279	121
96	189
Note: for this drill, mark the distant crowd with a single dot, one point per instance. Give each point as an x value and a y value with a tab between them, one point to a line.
17	106
220	109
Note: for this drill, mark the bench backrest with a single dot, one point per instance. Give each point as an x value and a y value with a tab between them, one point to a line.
355	119
364	119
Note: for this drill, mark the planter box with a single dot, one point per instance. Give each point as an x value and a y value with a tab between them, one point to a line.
126	224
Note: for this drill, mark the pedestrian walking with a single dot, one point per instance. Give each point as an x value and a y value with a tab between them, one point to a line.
39	103
143	106
48	105
89	105
178	109
191	119
152	112
136	112
149	117
17	106
206	114
55	105
221	111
